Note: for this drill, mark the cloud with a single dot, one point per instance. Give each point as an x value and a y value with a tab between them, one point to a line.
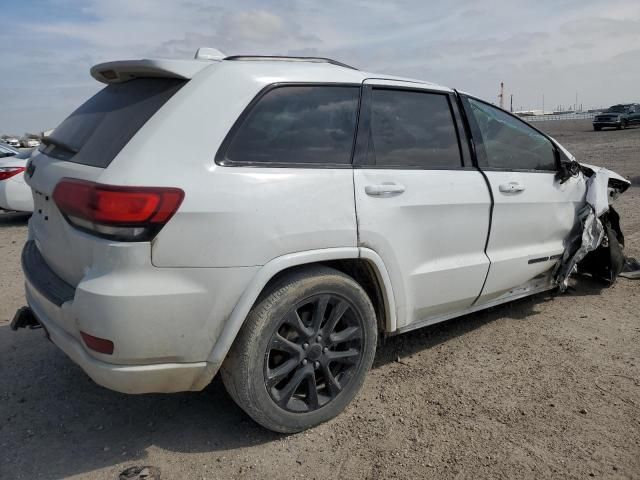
254	26
246	32
555	47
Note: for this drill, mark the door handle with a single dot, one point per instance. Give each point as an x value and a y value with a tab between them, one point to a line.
511	187
384	189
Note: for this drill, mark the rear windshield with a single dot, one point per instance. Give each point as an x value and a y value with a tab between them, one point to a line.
96	132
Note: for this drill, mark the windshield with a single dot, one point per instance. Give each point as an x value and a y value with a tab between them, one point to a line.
617	109
7	152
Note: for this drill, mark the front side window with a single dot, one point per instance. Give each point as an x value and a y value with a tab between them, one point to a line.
412	129
509	143
298	125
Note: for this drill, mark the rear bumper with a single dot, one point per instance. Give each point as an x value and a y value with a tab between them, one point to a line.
163	322
161	378
607	124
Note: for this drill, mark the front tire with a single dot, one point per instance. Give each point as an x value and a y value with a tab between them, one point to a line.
304	350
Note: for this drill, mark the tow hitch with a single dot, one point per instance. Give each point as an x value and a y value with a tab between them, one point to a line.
24	318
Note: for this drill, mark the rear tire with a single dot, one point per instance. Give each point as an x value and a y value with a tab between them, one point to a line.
303	352
597	129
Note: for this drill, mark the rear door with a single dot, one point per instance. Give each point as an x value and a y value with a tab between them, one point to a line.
533	212
420	204
81	147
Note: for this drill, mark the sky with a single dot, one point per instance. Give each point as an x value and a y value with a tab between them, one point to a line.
550	48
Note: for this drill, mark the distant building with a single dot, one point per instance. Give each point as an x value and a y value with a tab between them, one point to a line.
529	113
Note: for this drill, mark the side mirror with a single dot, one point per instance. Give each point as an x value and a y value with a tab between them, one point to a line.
568	169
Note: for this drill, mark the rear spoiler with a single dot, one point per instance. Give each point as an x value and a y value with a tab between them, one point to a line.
125	70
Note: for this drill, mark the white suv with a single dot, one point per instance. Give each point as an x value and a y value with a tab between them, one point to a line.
318	206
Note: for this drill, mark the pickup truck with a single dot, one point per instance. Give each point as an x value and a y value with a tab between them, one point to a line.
618	116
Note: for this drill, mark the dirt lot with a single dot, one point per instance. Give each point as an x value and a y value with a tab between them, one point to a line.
548	387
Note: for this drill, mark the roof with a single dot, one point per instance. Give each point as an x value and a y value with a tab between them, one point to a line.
325	69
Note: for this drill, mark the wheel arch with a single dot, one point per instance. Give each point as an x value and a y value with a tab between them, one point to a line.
364	265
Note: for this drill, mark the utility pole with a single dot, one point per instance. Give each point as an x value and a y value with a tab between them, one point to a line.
511	110
501	95
543	103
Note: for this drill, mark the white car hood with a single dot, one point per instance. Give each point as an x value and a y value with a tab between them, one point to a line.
612	175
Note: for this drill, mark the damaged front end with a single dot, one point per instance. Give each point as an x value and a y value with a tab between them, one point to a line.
597	248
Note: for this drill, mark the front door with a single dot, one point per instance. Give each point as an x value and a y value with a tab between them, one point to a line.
533	213
420	204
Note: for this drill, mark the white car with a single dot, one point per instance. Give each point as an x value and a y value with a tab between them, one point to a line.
12	142
29	142
320	207
15	194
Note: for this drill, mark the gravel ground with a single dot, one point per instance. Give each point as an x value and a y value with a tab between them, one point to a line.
548	387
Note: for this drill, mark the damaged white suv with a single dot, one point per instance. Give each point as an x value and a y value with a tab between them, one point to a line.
316	207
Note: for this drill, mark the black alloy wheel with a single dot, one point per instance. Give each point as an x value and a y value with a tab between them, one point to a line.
304	350
314	353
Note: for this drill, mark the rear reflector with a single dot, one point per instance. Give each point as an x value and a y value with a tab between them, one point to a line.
119	213
8	172
100	345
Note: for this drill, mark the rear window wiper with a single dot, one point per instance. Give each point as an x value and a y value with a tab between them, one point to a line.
58	144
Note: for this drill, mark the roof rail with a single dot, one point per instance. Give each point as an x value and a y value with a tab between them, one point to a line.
294	59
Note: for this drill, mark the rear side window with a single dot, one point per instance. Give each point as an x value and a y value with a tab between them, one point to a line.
412	129
509	143
96	132
298	125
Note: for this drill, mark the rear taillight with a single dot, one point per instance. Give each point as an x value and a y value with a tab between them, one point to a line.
120	213
8	172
